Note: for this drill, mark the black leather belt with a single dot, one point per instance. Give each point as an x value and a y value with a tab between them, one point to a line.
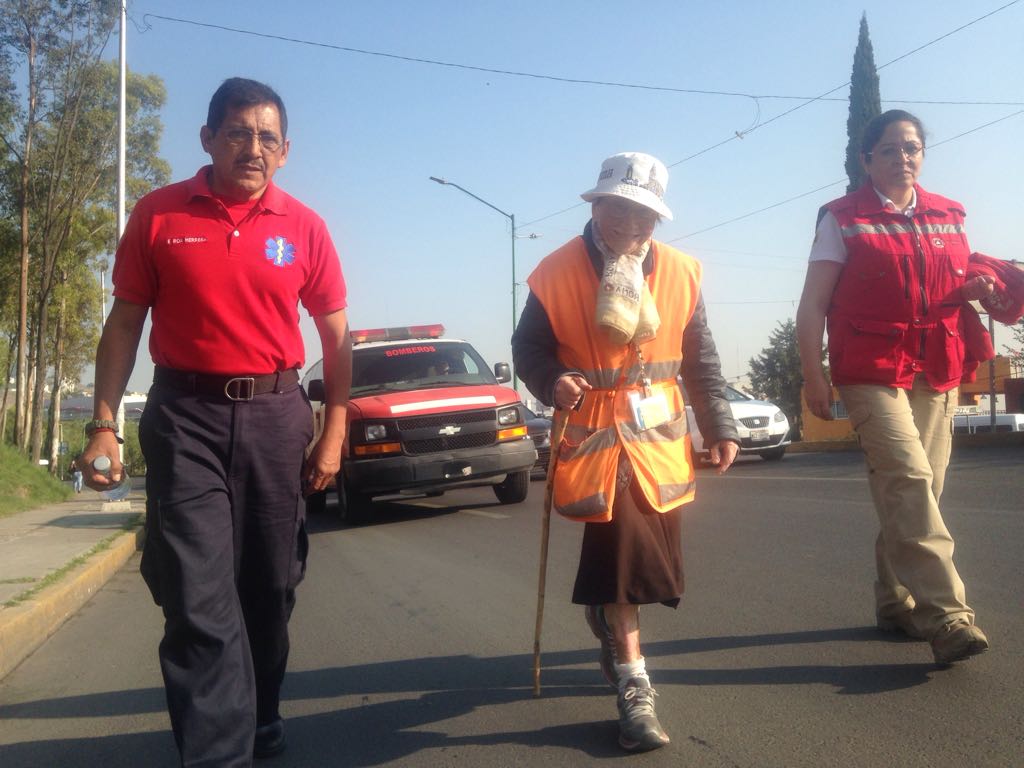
229	387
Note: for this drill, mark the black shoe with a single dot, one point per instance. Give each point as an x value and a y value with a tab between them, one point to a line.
269	739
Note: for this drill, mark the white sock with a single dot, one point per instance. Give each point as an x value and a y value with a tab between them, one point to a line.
631	669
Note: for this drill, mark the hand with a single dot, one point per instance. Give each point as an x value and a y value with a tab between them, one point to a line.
818	395
101	444
723	454
569	390
322	464
978	287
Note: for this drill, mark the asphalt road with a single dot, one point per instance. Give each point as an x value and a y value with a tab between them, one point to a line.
412	641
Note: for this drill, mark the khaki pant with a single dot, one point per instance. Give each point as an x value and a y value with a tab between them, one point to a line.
906	437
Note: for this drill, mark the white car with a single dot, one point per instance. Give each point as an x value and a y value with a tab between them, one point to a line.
763	427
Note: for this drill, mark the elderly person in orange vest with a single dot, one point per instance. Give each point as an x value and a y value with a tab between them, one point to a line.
889	272
613	318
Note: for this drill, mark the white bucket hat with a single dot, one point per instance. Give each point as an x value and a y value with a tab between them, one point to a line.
634	176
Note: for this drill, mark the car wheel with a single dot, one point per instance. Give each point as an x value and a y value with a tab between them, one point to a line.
316	503
514	488
774	454
354	508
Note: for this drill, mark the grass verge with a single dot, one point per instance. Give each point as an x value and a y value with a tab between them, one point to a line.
24	485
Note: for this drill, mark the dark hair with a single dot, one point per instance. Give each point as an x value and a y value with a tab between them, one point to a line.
873	131
240	92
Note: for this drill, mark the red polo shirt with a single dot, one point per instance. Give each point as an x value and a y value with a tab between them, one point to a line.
224	296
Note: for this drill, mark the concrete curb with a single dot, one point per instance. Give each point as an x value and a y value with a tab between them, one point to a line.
25	627
959	440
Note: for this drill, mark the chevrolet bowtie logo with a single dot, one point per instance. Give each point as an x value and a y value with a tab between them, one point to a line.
449	431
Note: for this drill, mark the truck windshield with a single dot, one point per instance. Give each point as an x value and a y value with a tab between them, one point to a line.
417	365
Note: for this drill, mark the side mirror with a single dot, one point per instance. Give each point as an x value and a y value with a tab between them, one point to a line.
315	390
502	372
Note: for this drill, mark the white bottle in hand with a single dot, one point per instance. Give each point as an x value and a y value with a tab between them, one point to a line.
117	491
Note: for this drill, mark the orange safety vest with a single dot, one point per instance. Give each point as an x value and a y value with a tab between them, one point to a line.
584	483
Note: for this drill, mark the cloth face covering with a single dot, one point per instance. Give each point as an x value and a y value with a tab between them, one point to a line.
625	307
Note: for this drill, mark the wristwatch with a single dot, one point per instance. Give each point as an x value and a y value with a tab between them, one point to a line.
102	424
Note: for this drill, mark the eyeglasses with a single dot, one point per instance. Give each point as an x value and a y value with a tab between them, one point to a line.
241	137
895	151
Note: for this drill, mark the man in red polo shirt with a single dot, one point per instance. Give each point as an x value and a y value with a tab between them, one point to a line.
223	260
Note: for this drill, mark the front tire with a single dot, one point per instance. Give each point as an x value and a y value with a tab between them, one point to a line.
514	488
354	508
316	503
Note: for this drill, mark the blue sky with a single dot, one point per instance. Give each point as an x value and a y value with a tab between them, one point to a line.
367	131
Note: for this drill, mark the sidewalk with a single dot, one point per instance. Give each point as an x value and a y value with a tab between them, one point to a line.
54	558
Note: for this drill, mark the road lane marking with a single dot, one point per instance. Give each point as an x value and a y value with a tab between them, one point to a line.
484	513
788	478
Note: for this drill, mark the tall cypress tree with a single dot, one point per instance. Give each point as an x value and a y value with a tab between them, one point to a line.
865	103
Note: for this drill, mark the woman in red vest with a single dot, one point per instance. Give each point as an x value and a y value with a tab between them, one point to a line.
888	274
613	318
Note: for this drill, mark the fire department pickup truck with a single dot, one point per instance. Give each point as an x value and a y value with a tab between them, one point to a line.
425	415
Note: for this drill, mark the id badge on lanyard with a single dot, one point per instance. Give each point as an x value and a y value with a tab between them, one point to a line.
650	409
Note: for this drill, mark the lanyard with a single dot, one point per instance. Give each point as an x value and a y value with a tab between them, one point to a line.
645	380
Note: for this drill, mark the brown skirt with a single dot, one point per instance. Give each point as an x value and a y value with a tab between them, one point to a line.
636	558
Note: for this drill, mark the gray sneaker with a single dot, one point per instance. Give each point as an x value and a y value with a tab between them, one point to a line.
639	729
601	630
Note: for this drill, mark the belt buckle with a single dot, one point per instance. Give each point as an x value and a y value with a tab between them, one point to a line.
240	388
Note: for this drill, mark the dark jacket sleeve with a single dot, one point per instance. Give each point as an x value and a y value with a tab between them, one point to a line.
702	378
535	352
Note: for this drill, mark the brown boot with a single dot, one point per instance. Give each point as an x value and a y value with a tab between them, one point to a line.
958	640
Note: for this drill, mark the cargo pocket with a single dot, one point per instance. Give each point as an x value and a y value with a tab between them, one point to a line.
871	350
150	567
584	482
300	546
944	349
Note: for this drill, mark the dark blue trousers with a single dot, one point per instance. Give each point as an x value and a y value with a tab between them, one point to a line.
225	548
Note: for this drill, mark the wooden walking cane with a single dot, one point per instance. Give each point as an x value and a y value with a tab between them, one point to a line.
557	431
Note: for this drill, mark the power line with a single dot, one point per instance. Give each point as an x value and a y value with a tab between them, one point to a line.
769	301
580	81
831	184
741	134
556	78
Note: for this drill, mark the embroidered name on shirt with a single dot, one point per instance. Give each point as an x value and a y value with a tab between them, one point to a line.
188	240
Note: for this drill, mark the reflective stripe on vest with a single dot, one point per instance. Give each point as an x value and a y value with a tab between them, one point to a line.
587	507
854	230
609	378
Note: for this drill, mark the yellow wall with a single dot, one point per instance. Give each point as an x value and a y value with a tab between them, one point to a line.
981	386
816	430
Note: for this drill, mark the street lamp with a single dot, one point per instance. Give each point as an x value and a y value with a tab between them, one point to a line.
512	218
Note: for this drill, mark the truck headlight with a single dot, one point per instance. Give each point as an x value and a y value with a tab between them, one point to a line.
376	432
508	416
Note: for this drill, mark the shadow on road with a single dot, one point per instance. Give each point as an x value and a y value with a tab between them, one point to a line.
400	700
390	513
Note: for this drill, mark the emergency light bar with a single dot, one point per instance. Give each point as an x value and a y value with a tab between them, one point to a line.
402	333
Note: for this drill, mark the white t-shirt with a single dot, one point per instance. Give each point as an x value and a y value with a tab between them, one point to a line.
828	240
